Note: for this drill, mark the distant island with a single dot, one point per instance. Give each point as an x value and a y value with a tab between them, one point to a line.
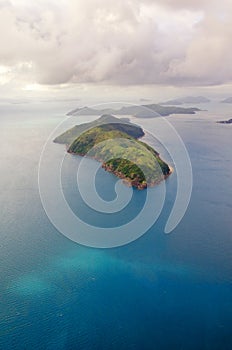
143	111
81	139
186	100
225	121
227	100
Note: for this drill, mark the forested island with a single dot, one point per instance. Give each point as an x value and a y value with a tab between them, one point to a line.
138	164
143	111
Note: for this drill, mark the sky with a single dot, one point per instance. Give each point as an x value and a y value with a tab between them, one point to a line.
107	49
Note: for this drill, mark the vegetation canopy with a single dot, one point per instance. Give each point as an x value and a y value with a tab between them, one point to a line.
116	145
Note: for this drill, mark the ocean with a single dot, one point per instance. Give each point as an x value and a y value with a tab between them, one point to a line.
162	291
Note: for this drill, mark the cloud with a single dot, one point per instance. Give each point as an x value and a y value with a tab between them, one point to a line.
207	56
193	5
117	42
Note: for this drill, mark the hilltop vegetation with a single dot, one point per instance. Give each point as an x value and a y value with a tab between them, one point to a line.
118	148
107	122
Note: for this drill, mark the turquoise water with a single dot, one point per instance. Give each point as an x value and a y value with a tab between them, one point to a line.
159	292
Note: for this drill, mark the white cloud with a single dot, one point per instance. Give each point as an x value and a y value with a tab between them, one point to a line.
117	42
208	55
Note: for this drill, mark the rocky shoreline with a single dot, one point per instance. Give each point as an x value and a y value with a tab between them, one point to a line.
132	175
126	180
135	182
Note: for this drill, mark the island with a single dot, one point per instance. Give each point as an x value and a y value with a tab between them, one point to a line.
89	139
225	121
156	110
143	111
227	100
187	100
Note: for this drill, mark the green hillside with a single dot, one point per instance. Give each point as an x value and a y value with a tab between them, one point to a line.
132	160
107	123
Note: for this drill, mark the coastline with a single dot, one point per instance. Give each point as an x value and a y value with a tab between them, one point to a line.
128	171
127	181
135	183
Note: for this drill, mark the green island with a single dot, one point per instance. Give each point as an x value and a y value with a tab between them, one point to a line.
114	142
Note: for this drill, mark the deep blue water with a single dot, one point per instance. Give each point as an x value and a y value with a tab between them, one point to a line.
159	292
